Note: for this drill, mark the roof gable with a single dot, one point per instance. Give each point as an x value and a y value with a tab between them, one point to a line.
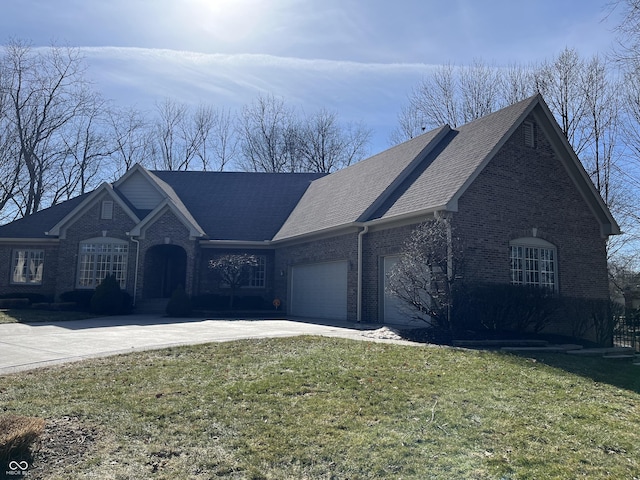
461	158
87	202
465	154
140	190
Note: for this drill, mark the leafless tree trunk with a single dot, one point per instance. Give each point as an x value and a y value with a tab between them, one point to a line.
129	134
86	146
269	136
560	82
46	90
325	146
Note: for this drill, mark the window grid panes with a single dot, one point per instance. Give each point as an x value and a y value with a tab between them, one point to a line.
97	260
533	266
28	266
258	273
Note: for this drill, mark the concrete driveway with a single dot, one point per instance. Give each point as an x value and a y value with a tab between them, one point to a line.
28	346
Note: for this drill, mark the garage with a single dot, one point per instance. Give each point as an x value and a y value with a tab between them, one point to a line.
319	290
394	310
392	307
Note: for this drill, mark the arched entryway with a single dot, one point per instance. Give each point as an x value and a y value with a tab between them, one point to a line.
165	267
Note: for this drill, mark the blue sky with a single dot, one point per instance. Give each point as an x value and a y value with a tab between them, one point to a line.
358	57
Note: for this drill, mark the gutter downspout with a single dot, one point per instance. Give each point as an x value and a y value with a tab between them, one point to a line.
135	274
362	233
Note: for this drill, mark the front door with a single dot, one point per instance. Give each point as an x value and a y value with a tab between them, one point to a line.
165	268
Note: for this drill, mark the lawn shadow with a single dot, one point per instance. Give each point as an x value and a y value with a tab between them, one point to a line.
621	373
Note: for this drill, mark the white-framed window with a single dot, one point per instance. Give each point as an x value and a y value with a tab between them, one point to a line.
106	210
533	262
255	276
258	273
27	266
98	257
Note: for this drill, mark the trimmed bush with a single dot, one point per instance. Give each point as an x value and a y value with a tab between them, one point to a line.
82	298
14	302
179	304
32	297
211	301
503	307
251	302
109	299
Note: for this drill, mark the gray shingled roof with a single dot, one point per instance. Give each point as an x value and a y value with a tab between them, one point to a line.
239	205
462	155
347	195
35	225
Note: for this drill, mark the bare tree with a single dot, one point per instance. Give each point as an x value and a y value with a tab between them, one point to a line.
517	83
561	83
85	146
326	146
628	33
10	165
233	271
224	148
479	85
129	133
423	279
46	90
176	146
214	134
269	133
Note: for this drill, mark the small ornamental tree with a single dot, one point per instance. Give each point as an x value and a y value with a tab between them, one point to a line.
423	279
234	271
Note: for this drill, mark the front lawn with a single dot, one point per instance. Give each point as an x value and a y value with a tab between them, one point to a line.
316	408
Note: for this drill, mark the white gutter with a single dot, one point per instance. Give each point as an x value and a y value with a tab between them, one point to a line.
362	233
135	273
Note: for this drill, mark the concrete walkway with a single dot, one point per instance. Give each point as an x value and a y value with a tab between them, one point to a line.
28	346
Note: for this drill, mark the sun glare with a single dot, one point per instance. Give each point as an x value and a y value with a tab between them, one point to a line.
232	21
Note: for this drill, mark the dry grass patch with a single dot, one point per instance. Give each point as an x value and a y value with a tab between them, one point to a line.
17	437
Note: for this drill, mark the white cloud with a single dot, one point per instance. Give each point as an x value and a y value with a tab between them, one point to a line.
368	92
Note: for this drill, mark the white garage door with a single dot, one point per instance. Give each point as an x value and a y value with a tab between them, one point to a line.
319	290
393	308
395	311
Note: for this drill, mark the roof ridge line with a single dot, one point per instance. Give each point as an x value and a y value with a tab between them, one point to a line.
444	130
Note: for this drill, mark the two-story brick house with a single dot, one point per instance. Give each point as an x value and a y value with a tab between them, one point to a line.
510	183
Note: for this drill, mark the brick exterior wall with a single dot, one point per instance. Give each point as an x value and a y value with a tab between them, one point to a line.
376	246
343	247
521	189
90	225
49	272
208	283
167	230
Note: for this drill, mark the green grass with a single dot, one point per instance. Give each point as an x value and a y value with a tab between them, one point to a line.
321	408
28	315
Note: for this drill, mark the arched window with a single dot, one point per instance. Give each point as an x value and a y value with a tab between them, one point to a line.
533	262
100	256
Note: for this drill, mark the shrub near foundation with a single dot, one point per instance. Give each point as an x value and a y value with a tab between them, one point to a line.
179	304
109	299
